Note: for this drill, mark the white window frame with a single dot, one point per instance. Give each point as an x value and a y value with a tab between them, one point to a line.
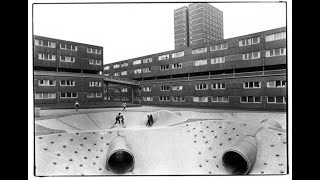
164	98
283	84
124	64
177	88
124	73
178	99
147	60
200	99
220	99
218	60
137	71
42	55
124	90
89	50
165	88
179	65
71	82
201	62
41	95
177	54
67	60
248	41
166	65
164	57
254	99
246	85
136	62
249	56
117	74
199	50
106	68
146	88
218	86
46	82
68	97
201	87
268	52
272	37
94	84
115	66
144	98
271	102
218	47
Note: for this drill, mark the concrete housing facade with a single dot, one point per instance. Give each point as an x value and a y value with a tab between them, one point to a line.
242	72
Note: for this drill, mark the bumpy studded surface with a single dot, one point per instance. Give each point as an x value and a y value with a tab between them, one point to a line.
192	147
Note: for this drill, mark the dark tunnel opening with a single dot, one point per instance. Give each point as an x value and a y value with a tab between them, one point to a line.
235	163
120	162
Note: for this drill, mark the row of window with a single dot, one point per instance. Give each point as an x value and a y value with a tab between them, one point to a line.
243	99
66	83
247	56
246	85
65	95
122	90
51	57
64	46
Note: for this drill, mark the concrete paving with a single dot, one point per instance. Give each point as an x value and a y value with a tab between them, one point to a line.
173	146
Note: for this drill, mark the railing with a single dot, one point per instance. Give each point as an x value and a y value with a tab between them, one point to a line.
121	79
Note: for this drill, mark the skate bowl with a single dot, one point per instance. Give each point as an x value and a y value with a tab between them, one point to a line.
179	143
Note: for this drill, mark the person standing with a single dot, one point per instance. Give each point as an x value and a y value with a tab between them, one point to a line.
77	105
151	119
118	118
124	106
148	123
122	119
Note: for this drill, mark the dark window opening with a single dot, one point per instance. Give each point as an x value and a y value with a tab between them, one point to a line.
226	71
39	68
199	74
69	70
90	71
149	78
275	67
250	69
164	77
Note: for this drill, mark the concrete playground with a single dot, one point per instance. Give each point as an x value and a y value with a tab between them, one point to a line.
182	141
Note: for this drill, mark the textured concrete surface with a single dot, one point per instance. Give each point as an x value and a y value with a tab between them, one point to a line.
173	146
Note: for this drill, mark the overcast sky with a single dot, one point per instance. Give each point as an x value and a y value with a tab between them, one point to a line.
131	30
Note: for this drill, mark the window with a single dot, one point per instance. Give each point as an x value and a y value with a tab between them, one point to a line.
107	74
47	82
68	47
201	87
67	59
253	55
219	47
200	62
177	88
164	88
115	66
136	62
94	84
106	68
276	36
45	43
218	60
116	74
163	57
68	95
94	51
124	90
94	62
148	88
277	83
249	85
164	98
218	86
46	57
147	60
177	54
250	41
164	67
45	95
250	99
178	98
90	95
116	90
67	83
123	73
124	64
276	52
177	66
200	99
220	99
137	71
199	50
146	70
271	100
147	98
